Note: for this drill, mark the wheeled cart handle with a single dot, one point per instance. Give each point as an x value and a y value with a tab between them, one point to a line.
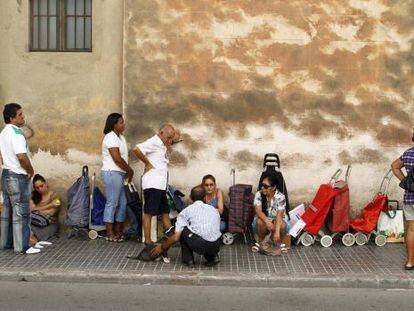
271	159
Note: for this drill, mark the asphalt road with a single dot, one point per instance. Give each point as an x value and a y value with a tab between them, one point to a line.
72	296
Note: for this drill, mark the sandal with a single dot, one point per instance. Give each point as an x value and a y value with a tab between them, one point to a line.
256	247
110	238
119	239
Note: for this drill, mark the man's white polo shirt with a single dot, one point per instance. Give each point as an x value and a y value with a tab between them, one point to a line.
13	142
156	152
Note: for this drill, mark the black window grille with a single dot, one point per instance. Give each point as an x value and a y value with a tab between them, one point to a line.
61	25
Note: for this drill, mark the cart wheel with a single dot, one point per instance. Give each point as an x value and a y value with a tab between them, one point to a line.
380	240
360	238
227	238
348	239
307	239
326	240
93	234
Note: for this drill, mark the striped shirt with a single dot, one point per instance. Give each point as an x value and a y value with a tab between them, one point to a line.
201	219
408	159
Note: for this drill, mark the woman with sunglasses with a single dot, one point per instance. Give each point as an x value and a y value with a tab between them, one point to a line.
270	206
214	197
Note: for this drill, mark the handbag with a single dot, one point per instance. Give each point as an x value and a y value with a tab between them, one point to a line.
132	197
269	247
39	219
408	182
391	225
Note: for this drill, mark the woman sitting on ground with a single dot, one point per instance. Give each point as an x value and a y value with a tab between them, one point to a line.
45	206
214	197
270	206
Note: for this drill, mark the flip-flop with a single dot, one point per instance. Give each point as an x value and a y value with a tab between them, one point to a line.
119	239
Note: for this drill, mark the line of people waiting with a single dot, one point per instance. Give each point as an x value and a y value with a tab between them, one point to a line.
202	221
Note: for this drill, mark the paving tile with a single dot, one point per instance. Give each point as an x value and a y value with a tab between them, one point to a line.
67	255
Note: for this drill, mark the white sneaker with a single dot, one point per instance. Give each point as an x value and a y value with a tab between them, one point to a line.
38	245
44	243
32	250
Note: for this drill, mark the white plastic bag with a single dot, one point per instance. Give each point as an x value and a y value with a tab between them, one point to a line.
392	227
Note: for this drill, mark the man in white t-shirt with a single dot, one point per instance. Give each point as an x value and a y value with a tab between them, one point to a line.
153	153
15	181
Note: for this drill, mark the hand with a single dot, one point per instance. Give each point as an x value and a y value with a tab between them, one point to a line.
269	225
30	174
129	175
276	237
156	250
148	167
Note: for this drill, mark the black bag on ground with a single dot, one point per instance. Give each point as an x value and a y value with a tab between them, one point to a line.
408	182
145	253
271	166
77	214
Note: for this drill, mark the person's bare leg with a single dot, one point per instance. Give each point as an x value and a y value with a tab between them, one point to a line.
409	242
147	227
33	239
119	231
109	228
166	221
261	229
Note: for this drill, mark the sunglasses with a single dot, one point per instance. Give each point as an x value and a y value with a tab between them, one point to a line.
265	186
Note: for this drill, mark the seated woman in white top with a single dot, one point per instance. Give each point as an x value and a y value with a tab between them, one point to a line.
270	206
115	170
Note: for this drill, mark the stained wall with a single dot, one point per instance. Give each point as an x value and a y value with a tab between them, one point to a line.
65	96
323	83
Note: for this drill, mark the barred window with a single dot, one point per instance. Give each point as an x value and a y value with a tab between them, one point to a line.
61	25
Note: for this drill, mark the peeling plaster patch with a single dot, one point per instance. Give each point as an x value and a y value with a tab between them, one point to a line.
352	99
265	70
346	31
353	46
177	158
390	33
297	159
232	63
242	160
364	155
373	8
390	95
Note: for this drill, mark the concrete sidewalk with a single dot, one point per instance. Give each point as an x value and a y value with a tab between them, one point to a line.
69	260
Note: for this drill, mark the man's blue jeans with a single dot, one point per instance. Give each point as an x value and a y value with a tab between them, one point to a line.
116	204
15	217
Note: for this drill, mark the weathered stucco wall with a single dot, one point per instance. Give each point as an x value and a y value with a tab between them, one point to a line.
66	96
323	83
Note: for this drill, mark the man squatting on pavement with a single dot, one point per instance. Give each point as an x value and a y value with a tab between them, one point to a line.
198	230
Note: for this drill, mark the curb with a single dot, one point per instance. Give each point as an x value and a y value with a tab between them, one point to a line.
203	279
